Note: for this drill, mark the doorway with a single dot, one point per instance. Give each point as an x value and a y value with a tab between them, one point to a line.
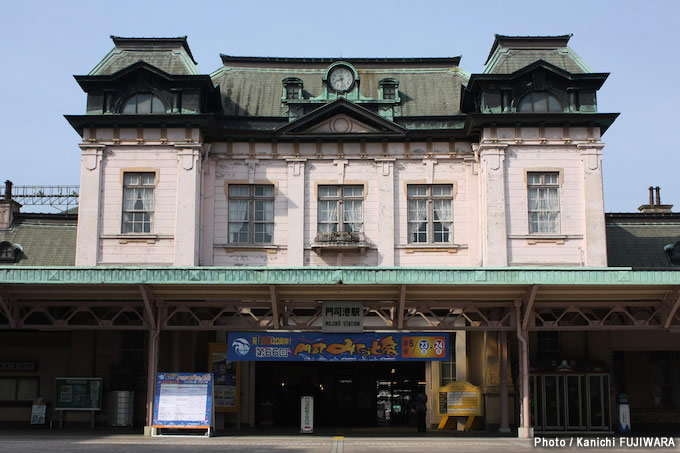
348	394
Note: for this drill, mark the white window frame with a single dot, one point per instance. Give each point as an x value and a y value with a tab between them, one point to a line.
547	217
341	225
449	365
429	198
251	199
135	212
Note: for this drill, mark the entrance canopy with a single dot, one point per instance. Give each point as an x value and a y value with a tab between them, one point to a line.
253	298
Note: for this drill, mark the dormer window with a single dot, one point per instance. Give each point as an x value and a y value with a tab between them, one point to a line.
292	88
539	102
143	103
389	89
9	253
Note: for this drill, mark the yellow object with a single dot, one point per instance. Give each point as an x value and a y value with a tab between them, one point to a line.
460	398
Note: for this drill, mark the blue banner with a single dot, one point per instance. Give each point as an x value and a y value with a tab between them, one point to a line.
183	400
317	346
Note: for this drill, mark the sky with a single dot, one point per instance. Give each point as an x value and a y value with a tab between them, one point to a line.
44	43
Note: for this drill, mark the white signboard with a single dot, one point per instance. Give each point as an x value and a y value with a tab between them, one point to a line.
343	317
307	414
38	412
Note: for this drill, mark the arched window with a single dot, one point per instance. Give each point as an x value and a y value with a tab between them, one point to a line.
539	101
143	103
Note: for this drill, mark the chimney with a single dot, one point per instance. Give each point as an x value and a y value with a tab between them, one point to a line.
8	207
655	205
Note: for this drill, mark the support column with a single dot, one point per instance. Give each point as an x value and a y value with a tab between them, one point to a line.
503	383
152	369
89	209
296	212
385	212
461	364
524	429
187	212
593	202
492	181
207	239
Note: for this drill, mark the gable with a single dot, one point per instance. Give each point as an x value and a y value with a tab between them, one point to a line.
341	117
340	124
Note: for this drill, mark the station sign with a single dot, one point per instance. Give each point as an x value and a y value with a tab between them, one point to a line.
342	317
319	346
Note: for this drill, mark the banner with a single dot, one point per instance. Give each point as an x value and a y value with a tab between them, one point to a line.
183	400
318	346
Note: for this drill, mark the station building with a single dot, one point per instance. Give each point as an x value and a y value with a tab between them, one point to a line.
441	201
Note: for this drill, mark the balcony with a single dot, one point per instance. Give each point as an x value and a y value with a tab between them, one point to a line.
340	241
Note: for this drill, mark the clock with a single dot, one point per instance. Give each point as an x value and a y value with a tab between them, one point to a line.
341	78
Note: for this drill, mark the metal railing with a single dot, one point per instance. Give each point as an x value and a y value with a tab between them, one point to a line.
55	196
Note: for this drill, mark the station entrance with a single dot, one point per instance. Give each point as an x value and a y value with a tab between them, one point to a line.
345	393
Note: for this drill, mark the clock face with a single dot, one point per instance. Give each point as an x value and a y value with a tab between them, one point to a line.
341	79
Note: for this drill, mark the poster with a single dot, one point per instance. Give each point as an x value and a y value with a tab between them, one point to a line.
38	412
226	374
183	400
78	394
318	346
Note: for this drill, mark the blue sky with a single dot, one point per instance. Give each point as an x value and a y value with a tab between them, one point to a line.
44	44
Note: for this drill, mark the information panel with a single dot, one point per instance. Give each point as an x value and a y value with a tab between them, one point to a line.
78	394
183	400
226	375
460	398
317	346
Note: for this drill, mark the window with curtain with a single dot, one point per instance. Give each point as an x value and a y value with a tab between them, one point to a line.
138	202
544	202
143	103
251	213
341	208
19	388
539	102
430	213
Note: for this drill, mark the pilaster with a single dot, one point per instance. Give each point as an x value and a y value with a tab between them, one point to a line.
188	204
89	205
296	212
493	206
386	227
593	202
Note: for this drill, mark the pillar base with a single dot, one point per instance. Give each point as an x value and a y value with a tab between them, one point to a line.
525	433
148	431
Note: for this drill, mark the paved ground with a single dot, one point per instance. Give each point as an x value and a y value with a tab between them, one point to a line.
49	441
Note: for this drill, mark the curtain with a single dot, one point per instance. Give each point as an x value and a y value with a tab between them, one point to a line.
352	213
238	220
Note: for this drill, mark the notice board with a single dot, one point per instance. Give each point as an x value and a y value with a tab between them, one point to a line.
227	378
183	400
78	394
460	398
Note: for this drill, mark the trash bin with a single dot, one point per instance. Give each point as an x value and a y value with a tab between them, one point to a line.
121	408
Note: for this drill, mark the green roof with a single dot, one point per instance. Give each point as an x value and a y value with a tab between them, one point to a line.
336	276
46	240
256	91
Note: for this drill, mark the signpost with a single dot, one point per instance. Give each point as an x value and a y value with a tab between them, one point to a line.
307	414
459	398
183	401
343	317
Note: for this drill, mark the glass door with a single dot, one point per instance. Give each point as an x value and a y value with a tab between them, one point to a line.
575	396
598	401
553	402
536	401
